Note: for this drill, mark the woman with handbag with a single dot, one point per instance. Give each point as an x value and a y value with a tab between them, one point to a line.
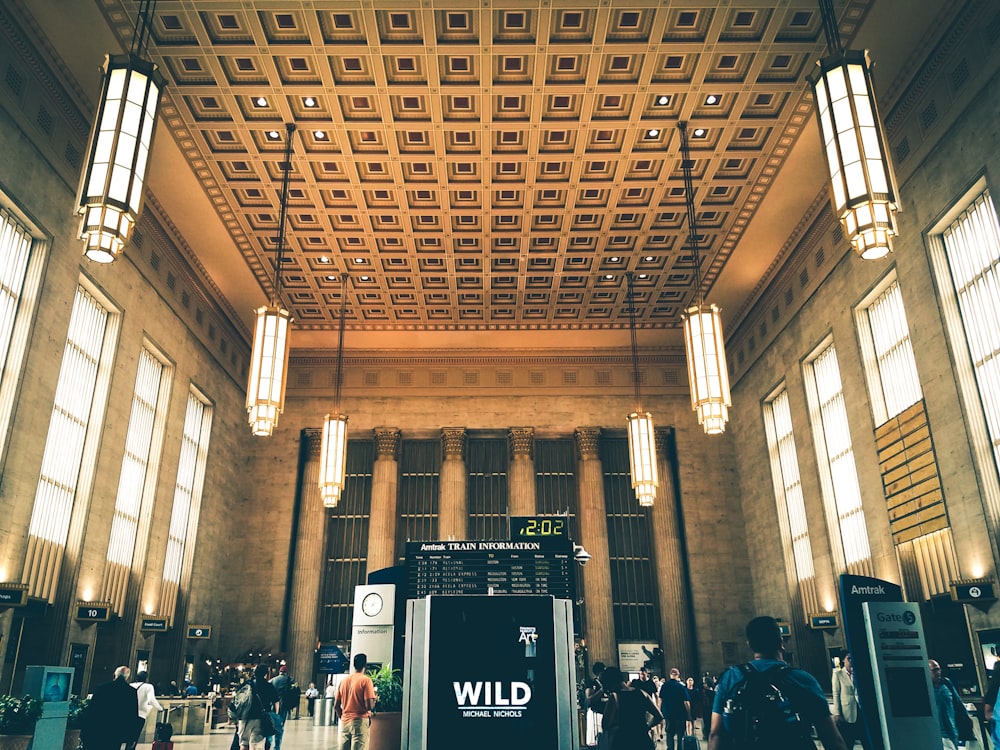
629	715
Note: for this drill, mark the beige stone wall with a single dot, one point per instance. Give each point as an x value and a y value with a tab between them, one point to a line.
945	157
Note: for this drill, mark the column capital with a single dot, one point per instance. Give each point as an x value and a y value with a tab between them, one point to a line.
587	442
453	443
314	441
387	442
662	436
521	441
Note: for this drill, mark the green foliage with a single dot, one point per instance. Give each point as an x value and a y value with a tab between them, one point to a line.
389	686
77	706
19	715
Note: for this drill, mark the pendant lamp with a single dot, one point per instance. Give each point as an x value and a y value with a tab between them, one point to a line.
708	377
111	191
269	359
333	450
641	437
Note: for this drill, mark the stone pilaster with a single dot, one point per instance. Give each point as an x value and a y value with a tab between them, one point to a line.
310	542
453	503
521	472
596	576
385	485
668	550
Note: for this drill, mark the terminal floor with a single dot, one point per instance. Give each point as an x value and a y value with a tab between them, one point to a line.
300	734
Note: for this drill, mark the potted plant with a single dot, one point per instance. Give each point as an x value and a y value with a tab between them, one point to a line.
387	721
74	722
18	717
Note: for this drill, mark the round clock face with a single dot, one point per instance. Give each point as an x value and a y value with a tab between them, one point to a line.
371	605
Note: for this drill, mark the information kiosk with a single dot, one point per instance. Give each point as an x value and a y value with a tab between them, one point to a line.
51	685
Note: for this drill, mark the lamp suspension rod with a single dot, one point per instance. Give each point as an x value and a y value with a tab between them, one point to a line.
340	342
830	28
286	165
635	349
143	27
686	164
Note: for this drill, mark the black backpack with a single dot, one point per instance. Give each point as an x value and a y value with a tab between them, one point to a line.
761	714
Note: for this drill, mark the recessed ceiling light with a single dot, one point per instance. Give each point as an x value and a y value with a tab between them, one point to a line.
273	135
609	276
309	101
699	133
643	275
652	133
648	258
324	259
615	258
663	100
366	278
331	278
713	99
359	261
319	135
260	101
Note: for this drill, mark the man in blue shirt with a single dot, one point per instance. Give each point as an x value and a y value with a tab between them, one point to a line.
808	700
945	706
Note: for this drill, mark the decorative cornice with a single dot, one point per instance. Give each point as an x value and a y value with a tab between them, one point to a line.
667	355
453	443
387	440
522	442
314	441
588	440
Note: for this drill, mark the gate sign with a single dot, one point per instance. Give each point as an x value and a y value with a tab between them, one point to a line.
491	679
199	631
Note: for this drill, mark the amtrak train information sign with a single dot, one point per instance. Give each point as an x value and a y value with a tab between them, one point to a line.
491	681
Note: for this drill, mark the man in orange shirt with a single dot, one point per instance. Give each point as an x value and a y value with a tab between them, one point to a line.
353	706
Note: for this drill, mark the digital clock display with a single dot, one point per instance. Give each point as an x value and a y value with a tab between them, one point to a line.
522	527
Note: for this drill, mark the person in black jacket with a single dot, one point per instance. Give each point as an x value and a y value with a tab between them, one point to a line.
111	717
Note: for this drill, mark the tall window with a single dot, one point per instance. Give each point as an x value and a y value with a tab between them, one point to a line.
972	249
486	462
15	257
788	493
555	479
346	564
891	368
187	496
136	482
419	487
835	454
634	593
77	404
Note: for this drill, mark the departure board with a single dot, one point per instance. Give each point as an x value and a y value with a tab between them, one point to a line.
538	566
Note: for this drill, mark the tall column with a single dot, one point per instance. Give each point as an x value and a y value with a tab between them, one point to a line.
310	535
600	622
521	497
385	483
453	501
669	562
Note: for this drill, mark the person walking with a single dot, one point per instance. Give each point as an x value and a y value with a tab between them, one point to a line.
627	723
748	688
675	703
112	714
146	695
353	706
845	704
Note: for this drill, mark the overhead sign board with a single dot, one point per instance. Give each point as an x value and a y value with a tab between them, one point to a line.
93	611
153	624
824	621
13	594
199	631
973	592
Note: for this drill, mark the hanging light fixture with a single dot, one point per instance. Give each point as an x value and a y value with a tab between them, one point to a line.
269	360
641	439
111	186
708	377
333	450
862	183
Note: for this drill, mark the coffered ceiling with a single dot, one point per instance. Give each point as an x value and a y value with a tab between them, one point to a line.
482	167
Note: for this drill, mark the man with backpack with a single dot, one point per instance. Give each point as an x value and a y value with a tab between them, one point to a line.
768	705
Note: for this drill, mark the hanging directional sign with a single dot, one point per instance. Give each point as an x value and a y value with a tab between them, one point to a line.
199	631
93	611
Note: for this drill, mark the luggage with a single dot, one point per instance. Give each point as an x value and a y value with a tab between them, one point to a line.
163	732
690	742
163	745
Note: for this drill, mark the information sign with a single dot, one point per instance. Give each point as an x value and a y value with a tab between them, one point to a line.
13	594
539	566
199	631
154	624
